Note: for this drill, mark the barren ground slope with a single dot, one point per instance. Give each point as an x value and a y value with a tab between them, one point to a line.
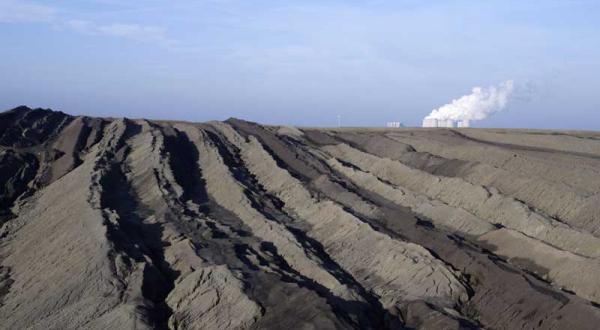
120	223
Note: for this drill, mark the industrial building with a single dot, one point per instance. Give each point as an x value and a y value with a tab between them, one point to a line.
395	124
431	122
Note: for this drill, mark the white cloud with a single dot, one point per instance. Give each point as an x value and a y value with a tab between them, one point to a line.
133	31
22	11
14	11
79	25
120	30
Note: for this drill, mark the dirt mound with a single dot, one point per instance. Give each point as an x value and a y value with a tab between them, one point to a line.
136	224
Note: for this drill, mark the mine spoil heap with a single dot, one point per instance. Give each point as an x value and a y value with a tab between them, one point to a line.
135	224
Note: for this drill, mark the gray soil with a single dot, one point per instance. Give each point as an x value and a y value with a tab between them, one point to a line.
138	224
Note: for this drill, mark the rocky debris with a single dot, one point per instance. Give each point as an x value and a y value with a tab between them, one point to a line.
23	127
134	224
561	185
66	271
17	170
442	214
484	202
418	275
211	297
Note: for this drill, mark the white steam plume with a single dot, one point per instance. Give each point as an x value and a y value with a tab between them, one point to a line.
477	105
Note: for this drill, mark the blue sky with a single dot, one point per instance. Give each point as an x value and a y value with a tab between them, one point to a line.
302	62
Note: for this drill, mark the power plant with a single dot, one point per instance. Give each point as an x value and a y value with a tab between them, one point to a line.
475	106
431	122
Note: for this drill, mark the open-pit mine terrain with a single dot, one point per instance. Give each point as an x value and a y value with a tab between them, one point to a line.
112	223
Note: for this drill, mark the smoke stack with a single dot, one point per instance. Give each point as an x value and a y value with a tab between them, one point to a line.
475	106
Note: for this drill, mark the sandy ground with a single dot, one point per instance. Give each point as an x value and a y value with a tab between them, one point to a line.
135	224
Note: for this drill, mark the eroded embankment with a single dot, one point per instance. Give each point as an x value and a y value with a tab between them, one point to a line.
558	183
142	224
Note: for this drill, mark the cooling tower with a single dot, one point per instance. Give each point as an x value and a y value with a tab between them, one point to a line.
430	122
463	123
446	123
